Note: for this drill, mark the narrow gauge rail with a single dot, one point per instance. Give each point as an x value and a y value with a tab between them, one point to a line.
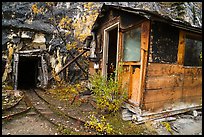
54	115
19	108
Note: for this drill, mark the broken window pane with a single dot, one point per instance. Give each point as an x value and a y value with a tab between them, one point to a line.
164	43
131	45
193	51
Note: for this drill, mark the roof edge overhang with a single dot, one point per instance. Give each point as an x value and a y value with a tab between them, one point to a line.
150	15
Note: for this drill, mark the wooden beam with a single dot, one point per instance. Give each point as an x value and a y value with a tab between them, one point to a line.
158	69
165	94
77	61
164	82
193	71
73	60
192	81
181	48
145	31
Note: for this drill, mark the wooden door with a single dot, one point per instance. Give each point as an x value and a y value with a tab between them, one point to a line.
134	59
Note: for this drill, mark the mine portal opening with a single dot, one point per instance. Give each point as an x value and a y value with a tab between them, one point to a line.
28	72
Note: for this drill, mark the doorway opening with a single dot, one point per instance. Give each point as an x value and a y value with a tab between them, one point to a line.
110	54
27	72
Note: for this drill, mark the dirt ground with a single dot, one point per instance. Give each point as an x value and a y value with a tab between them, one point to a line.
29	125
34	124
184	124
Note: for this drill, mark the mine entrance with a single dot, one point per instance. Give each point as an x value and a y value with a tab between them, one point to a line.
27	72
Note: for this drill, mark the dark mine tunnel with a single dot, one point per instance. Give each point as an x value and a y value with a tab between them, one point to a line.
27	72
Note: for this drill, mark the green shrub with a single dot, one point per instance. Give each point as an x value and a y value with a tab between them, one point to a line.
100	125
108	94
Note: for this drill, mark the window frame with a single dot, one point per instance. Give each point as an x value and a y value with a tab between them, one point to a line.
124	31
182	46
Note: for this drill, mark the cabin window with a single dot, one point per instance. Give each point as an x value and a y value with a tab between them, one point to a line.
131	45
164	43
193	51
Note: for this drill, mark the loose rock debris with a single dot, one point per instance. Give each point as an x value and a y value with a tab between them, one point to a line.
187	123
10	98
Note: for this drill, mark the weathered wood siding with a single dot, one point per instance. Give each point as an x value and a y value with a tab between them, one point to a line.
111	17
167	84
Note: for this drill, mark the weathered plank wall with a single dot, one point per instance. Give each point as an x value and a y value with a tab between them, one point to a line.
112	17
167	84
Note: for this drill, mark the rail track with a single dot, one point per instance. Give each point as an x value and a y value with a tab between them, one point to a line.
32	101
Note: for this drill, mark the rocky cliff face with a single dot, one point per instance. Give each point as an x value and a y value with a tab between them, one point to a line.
20	15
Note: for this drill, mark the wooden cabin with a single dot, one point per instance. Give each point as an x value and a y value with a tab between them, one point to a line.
161	57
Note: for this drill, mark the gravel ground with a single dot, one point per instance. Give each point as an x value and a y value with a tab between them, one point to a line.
183	125
28	125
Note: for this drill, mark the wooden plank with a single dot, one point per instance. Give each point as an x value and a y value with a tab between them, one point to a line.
145	30
130	83
120	65
163	94
125	77
120	49
164	105
193	100
135	84
70	62
192	91
181	48
164	82
158	69
44	72
131	63
160	105
192	81
192	71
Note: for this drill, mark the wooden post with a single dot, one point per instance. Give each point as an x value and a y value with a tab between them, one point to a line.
120	66
44	71
15	70
145	31
65	66
181	48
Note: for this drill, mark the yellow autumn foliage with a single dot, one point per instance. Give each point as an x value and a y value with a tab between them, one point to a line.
83	25
72	45
34	9
37	10
65	23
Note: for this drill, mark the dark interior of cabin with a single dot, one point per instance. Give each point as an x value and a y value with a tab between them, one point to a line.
27	72
112	51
